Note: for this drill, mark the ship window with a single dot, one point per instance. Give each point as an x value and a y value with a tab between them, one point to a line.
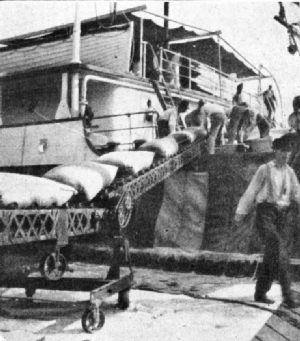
31	99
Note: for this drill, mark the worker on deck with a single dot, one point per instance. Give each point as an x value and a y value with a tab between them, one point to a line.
151	116
238	98
242	121
294	118
199	118
270	102
167	121
273	188
183	110
294	123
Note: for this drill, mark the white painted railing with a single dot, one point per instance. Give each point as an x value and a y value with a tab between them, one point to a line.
180	71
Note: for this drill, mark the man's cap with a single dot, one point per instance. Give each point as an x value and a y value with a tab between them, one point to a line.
183	105
201	103
240	87
296	103
284	143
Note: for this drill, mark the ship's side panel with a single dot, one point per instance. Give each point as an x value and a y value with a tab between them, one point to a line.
44	144
30	99
55	143
109	49
121	100
11	146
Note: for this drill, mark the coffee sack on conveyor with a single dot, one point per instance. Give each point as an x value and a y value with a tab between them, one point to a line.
88	178
190	133
134	161
164	147
25	190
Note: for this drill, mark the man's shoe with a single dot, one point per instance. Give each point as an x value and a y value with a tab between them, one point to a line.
263	299
290	303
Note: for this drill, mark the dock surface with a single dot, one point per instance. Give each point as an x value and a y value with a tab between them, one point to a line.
163	305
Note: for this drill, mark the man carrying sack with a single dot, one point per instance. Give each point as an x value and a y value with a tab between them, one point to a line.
273	188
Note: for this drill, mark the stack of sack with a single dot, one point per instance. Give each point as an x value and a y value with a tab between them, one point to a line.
57	187
86	179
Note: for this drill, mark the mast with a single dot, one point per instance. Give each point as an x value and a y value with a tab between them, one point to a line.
76	60
166	24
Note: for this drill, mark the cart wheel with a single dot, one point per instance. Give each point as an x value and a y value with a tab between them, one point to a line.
125	210
29	292
53	266
123	299
89	323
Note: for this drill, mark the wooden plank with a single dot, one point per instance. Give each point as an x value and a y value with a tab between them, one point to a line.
268	334
284	328
106	49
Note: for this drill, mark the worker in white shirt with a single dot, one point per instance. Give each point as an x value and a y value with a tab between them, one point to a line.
273	188
151	117
200	116
182	110
238	98
167	122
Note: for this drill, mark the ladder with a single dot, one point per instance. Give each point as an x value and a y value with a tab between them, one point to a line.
164	96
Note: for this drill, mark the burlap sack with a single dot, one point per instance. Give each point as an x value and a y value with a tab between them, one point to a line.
26	190
135	161
88	178
164	147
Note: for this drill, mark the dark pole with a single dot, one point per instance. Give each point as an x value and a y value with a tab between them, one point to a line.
220	65
166	24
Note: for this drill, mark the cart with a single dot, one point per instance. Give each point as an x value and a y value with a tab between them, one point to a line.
19	226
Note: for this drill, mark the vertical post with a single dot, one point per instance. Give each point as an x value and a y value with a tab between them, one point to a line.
114	270
190	73
160	64
166	24
63	110
130	127
220	65
1	122
141	45
144	59
76	36
259	90
76	60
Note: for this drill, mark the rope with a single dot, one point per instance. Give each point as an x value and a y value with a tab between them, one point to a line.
210	298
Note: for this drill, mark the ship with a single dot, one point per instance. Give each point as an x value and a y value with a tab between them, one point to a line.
76	91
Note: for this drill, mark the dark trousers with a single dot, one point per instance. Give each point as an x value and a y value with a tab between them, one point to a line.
269	103
163	128
263	126
294	159
216	123
271	226
236	123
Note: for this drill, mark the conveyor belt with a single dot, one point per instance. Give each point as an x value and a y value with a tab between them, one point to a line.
28	225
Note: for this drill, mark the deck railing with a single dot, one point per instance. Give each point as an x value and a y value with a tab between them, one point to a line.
180	71
123	129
